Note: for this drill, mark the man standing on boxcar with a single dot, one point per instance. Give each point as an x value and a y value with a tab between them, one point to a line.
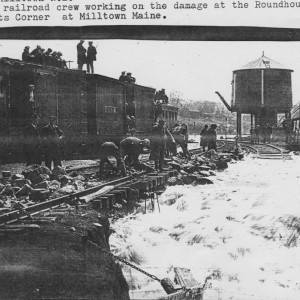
81	55
131	148
123	76
91	57
159	137
26	55
32	145
52	135
108	149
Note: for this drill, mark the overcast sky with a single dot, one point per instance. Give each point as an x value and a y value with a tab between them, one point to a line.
197	69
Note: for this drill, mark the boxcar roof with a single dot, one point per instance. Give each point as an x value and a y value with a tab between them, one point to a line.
16	64
114	80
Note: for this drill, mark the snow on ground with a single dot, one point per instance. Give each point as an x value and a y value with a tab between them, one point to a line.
244	228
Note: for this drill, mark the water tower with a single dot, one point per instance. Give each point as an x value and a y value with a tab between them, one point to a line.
263	89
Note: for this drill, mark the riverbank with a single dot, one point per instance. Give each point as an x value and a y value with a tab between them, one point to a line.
244	229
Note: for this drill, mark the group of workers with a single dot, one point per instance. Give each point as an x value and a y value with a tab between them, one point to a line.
208	137
38	140
42	140
45	58
86	56
161	142
126	77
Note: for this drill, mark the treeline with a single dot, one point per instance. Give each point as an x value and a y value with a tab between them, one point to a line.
200	112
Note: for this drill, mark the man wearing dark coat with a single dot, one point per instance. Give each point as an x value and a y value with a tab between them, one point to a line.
26	55
32	145
52	136
48	57
91	57
203	137
159	137
123	76
212	137
81	55
108	149
131	148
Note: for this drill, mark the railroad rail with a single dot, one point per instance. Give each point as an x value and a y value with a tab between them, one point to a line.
263	151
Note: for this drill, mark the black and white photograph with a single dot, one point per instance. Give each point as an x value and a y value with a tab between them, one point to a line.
161	165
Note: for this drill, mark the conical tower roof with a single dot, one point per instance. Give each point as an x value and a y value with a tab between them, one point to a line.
264	62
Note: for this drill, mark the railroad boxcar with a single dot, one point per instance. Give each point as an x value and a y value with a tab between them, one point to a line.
57	92
107	98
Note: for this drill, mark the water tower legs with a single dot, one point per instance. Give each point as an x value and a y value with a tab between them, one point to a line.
239	124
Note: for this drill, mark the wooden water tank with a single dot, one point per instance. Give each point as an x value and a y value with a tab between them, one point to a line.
263	86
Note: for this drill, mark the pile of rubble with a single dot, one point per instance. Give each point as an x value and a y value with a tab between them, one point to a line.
199	168
38	183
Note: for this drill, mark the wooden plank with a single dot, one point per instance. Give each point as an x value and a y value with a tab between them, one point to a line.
97	194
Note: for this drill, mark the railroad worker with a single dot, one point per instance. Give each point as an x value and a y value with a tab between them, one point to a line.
26	55
130	115
52	136
159	137
55	60
37	55
123	76
129	78
90	58
212	137
180	135
158	110
109	149
81	55
257	134
32	145
48	58
131	148
203	137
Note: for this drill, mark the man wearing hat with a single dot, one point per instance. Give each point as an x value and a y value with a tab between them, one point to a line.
26	55
48	58
52	136
123	76
81	55
129	78
38	55
212	137
91	57
159	137
131	148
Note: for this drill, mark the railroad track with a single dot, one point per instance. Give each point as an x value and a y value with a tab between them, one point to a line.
263	151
